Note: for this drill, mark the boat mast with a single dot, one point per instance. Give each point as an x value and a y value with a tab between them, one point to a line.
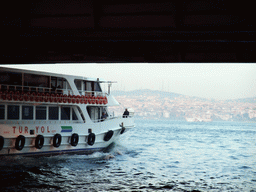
109	85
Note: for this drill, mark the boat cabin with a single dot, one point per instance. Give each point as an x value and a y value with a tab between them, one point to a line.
29	96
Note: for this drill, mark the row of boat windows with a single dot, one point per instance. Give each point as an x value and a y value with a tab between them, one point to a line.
26	112
83	85
28	82
14	81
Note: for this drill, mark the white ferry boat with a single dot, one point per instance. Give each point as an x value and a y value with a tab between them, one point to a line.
44	113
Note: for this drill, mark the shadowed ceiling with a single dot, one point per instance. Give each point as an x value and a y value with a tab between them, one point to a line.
68	31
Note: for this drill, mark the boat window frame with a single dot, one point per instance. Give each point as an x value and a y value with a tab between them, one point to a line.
4	110
45	113
17	114
87	87
58	114
96	117
41	113
61	113
74	115
22	112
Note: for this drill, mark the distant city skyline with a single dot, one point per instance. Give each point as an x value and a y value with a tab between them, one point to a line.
211	81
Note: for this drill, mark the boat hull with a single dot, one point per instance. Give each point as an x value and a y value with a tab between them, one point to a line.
101	130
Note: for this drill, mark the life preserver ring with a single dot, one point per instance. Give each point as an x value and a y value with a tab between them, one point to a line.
93	100
52	98
31	97
1	143
39	142
21	97
36	97
91	139
4	97
41	96
122	130
20	142
74	139
55	98
46	99
108	135
15	97
65	98
60	99
57	140
101	100
26	98
9	96
105	100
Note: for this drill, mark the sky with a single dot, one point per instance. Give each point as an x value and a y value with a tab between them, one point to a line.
211	81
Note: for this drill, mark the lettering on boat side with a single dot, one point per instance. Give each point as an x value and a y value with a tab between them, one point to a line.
42	129
21	129
6	132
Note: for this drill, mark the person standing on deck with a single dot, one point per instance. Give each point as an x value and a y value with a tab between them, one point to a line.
126	113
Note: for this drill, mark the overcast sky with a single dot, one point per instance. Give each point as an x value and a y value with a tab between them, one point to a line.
217	81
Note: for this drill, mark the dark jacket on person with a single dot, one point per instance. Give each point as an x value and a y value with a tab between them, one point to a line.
126	114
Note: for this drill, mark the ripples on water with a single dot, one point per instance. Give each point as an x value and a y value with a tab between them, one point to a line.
155	156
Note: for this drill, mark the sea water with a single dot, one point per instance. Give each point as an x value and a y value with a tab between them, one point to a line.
157	155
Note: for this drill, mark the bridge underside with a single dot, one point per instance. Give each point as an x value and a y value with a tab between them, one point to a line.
69	31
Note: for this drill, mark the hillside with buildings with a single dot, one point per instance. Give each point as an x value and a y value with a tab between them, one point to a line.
165	105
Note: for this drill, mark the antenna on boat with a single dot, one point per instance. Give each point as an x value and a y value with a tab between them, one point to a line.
109	85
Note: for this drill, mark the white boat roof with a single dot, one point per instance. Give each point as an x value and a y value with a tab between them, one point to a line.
18	70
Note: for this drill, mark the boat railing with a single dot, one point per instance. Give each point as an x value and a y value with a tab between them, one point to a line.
40	121
109	118
52	97
92	93
26	89
22	89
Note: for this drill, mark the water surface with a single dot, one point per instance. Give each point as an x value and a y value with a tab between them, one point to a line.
154	156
